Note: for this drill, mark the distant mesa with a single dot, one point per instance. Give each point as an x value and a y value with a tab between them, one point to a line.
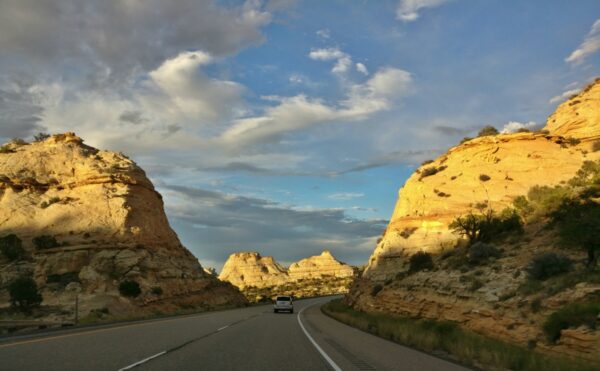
89	220
261	277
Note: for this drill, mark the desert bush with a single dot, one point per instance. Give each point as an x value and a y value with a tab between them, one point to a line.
39	137
52	200
578	223
487	226
545	199
63	279
572	141
24	294
429	171
18	141
523	130
45	242
375	290
419	261
571	315
157	290
596	146
465	139
548	265
487	130
480	252
5	149
130	288
11	247
523	206
407	232
426	162
484	177
587	175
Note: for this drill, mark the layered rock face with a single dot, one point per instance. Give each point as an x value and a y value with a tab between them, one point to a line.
262	277
251	269
483	173
105	223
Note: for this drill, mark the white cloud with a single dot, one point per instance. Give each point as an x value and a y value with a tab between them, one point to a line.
300	112
344	196
362	69
564	95
343	60
408	10
514	126
324	34
190	91
589	46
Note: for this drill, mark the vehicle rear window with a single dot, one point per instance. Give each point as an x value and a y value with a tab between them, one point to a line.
283	298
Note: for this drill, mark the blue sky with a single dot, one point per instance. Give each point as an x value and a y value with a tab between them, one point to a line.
287	127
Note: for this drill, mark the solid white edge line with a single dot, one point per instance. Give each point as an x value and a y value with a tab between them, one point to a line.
222	328
327	358
142	361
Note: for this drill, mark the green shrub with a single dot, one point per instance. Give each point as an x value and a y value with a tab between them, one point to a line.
487	226
130	288
157	290
545	200
587	175
465	139
24	294
523	130
523	206
484	177
572	315
39	137
572	141
63	279
480	252
547	265
375	290
487	130
45	242
429	171
419	261
5	149
11	247
18	141
53	200
578	223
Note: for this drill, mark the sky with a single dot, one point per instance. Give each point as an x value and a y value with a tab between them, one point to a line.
287	126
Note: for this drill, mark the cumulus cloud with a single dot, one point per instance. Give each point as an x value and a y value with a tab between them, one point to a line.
301	112
514	126
408	10
110	40
589	46
563	96
216	224
362	69
343	61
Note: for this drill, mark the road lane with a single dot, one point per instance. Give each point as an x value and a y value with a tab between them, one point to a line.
252	338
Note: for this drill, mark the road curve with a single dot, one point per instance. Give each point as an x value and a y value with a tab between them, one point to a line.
252	338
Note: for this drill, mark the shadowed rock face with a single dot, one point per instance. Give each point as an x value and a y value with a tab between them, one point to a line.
489	171
110	226
257	276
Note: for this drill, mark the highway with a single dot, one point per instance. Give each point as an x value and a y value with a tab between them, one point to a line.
252	338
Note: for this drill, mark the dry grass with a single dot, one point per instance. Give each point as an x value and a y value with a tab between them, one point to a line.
464	346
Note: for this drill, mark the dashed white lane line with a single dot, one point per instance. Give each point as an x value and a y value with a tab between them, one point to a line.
327	358
222	328
143	361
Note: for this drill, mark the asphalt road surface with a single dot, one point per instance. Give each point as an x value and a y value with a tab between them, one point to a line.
251	338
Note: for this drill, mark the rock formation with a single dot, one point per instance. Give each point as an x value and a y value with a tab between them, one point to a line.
90	219
262	277
485	173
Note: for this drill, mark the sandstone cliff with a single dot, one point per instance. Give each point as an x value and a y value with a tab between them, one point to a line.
487	173
102	222
262	277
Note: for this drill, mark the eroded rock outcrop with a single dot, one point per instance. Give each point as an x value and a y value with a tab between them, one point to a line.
262	277
487	173
103	222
